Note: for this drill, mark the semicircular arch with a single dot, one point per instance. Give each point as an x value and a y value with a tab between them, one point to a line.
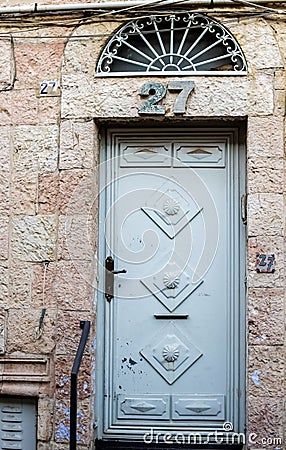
175	44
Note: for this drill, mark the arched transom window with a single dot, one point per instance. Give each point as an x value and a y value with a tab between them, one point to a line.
182	44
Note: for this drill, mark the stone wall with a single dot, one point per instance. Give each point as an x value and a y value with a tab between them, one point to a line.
48	210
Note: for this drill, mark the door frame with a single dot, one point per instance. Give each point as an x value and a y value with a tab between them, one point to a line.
238	247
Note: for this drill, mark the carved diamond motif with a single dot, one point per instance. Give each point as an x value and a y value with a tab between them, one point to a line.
143	406
201	154
144	155
146	406
172	355
171	208
171	286
198	409
190	406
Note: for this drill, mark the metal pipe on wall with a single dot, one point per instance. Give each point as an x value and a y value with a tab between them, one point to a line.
109	5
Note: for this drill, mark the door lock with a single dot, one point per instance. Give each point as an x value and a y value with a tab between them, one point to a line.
109	277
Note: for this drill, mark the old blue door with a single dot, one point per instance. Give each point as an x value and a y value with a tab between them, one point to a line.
171	350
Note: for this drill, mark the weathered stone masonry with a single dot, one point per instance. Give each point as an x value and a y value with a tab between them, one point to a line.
49	151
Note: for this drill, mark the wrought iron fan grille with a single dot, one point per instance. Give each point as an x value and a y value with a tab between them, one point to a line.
182	44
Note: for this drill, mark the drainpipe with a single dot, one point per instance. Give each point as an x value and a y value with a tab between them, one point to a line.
110	5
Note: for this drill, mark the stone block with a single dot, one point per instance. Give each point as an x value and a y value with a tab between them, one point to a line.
266	323
4	192
23	325
265	422
279	102
5	146
84	425
7	62
77	194
5	108
66	446
63	372
43	289
265	214
4	285
266	371
48	193
77	238
279	29
24	193
62	421
279	79
73	288
265	137
20	284
260	245
49	110
44	446
4	237
5	162
85	431
77	145
35	148
81	54
24	107
70	103
62	432
245	96
3	330
259	44
37	61
69	331
45	418
34	238
265	175
251	96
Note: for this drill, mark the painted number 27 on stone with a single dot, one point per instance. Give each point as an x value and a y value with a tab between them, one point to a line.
158	91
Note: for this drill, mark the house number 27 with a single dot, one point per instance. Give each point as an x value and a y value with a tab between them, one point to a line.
157	91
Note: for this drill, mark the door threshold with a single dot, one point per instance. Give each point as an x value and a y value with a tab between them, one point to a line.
133	445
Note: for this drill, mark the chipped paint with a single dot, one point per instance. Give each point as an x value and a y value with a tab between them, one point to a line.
81	428
65	411
261	338
62	432
63	386
255	377
256	380
64	380
129	364
85	386
254	312
132	362
63	428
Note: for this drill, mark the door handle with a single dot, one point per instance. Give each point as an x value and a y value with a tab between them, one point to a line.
115	272
109	277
